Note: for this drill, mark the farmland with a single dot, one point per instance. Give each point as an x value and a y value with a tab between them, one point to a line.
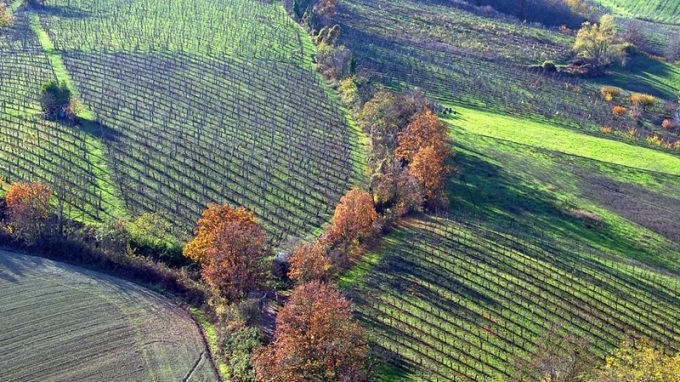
174	121
61	322
544	208
657	10
458	298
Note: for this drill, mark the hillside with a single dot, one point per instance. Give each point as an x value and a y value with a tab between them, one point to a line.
61	322
338	190
175	121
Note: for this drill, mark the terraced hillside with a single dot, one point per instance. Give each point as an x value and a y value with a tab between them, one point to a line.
205	102
462	300
64	323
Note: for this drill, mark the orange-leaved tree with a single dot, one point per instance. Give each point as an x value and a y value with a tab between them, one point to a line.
430	168
229	246
424	130
316	339
29	209
353	218
310	262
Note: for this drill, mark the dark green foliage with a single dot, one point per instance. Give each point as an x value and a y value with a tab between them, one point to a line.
549	66
153	236
55	98
238	348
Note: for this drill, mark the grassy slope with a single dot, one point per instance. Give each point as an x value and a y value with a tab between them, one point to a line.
62	322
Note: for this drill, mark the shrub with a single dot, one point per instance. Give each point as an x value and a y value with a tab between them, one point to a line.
153	236
619	111
607	130
55	98
642	100
549	66
668	124
29	210
238	348
610	92
6	16
654	140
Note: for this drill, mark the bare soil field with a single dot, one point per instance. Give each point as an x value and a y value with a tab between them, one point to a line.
64	323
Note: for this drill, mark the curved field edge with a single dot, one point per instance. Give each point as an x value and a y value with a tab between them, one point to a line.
62	322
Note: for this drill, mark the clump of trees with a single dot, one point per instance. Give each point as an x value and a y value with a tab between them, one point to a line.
29	210
596	43
6	16
316	339
57	101
229	246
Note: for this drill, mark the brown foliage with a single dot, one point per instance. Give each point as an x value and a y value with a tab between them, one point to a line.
353	218
310	262
430	168
424	130
316	339
29	209
229	245
619	111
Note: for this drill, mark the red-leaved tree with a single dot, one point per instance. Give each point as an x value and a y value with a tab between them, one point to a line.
316	339
29	209
229	246
310	262
353	218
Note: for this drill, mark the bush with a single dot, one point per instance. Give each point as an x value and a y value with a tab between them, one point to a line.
238	348
310	262
619	111
153	236
642	100
6	16
56	97
549	66
668	124
610	92
29	210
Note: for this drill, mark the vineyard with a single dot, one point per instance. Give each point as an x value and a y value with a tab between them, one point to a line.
458	298
461	58
227	110
658	10
61	322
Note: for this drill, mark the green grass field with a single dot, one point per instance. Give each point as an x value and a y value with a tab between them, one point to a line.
61	322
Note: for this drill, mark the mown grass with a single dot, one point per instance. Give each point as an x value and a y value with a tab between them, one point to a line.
555	138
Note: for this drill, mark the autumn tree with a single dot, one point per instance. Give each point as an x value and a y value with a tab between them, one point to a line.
596	42
6	16
353	218
430	167
29	209
424	130
639	361
229	246
310	262
316	339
